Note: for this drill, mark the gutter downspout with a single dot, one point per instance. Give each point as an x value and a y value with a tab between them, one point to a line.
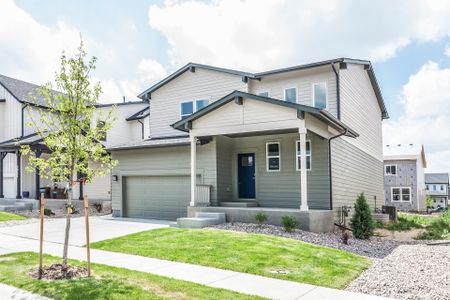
338	92
23	120
329	166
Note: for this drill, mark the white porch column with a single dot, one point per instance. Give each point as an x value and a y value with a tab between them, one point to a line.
193	140
303	170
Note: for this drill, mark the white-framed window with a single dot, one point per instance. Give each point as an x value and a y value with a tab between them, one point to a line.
188	108
264	93
427	187
320	95
273	157
290	94
298	156
401	194
442	188
390	170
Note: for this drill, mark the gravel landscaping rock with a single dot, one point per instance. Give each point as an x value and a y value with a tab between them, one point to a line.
409	272
376	247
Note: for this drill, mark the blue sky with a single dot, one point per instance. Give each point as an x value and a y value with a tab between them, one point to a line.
139	42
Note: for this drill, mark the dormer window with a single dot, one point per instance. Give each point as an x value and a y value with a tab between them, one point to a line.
320	95
187	108
390	170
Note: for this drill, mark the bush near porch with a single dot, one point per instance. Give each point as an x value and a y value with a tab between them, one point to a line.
4	216
259	254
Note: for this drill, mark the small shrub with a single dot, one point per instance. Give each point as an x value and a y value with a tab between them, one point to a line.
428	201
48	212
261	218
98	207
407	222
438	229
362	220
289	223
378	224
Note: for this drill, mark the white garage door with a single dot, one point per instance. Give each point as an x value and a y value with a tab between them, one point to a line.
156	197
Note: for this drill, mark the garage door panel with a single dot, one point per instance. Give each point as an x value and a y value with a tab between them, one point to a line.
156	197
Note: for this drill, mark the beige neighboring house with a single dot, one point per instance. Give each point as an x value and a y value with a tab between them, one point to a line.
19	103
301	141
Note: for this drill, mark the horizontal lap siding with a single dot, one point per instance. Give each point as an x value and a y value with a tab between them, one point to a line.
282	189
201	84
173	161
224	172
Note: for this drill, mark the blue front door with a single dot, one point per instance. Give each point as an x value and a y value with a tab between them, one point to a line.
246	175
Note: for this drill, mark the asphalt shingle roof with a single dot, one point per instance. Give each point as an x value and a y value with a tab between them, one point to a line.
436	178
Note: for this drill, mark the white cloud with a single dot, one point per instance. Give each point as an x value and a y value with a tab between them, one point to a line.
151	70
447	50
257	35
426	118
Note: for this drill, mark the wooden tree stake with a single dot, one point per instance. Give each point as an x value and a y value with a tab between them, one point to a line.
41	236
88	246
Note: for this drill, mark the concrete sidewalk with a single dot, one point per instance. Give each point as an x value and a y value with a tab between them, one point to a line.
230	280
9	292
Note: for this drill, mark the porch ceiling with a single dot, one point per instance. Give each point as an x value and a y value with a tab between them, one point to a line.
260	115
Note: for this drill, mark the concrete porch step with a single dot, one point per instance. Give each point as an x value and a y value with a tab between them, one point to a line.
239	204
196	222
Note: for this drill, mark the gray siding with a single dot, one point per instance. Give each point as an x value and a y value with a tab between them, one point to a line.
406	177
276	189
354	172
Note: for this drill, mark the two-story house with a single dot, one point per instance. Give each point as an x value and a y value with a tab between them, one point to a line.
437	187
20	103
301	141
404	177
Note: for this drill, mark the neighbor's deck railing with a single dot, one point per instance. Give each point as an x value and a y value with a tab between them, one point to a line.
203	195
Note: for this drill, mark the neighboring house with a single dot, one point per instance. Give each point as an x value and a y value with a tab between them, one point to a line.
437	187
404	176
304	141
19	104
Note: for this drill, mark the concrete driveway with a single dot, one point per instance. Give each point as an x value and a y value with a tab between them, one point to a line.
101	228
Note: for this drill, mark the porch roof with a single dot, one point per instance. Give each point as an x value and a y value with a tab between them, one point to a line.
322	115
33	139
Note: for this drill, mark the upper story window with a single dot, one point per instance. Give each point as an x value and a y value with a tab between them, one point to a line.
100	126
427	187
188	108
264	94
290	95
442	187
298	161
390	170
401	194
273	157
320	95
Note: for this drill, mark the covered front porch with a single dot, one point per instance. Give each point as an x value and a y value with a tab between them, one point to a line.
269	152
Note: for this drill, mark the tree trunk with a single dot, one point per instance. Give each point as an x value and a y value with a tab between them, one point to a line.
68	215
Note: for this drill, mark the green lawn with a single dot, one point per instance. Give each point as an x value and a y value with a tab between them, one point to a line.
436	227
249	253
4	216
106	283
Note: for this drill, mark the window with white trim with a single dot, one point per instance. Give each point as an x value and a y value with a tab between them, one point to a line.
290	95
273	157
320	99
401	194
187	108
298	154
390	170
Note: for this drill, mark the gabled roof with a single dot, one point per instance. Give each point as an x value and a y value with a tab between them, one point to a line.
143	113
257	76
23	91
320	114
406	152
29	139
436	178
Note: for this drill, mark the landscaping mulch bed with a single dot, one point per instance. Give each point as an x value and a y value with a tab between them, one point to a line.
376	247
409	272
59	272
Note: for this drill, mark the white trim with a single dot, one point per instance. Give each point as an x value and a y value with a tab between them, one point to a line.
288	88
297	167
390	165
401	194
264	91
194	106
314	94
273	156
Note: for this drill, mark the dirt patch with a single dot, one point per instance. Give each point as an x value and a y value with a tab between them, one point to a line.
58	272
403	236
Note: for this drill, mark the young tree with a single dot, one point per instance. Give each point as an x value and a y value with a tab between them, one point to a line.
71	129
362	221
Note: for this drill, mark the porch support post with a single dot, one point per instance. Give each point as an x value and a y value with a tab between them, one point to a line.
2	157
193	141
303	171
19	179
37	153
